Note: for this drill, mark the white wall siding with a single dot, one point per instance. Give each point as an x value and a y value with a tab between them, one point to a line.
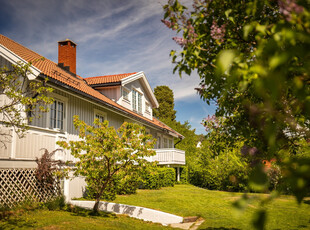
6	142
32	144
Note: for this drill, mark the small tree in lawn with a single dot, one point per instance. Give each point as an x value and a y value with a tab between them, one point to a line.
104	152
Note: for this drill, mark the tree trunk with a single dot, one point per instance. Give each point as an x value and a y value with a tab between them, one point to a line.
96	206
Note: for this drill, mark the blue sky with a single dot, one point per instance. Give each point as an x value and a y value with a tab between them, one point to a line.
113	36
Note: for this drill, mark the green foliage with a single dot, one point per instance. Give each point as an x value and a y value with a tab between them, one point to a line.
184	175
23	97
104	154
151	180
166	177
226	171
164	96
253	60
158	177
56	204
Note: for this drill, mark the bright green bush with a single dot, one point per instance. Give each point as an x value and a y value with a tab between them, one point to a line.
227	171
151	180
166	177
158	177
184	175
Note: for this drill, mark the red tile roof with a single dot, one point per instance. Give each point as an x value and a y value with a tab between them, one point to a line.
52	70
107	78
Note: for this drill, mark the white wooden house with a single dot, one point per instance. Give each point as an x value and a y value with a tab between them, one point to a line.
116	98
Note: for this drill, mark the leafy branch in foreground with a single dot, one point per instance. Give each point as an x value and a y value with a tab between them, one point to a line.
253	61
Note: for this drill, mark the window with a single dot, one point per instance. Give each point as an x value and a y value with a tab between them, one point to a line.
57	115
170	143
125	93
136	101
147	108
165	142
158	142
101	116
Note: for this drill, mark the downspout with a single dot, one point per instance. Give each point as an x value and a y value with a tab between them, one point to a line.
178	142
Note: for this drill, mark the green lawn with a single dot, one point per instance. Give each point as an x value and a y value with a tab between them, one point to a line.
184	200
44	219
216	207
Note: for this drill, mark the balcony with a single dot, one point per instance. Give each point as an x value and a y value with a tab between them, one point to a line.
169	156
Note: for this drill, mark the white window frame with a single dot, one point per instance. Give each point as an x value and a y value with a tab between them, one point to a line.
165	142
159	143
147	108
170	141
128	93
101	114
135	103
64	100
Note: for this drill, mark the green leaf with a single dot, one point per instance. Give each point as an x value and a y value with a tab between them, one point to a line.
258	180
225	60
259	219
247	30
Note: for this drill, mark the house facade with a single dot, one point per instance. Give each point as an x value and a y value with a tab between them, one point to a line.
117	98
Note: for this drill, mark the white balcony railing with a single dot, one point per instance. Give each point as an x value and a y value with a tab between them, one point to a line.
169	156
30	147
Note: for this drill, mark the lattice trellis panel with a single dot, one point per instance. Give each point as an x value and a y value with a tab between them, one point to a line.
18	185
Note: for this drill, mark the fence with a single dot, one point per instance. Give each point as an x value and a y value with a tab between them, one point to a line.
20	185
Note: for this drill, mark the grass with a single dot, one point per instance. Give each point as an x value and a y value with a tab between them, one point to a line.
217	210
184	200
45	219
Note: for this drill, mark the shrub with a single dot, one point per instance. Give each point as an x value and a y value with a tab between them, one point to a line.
158	177
184	175
228	171
151	180
56	204
166	177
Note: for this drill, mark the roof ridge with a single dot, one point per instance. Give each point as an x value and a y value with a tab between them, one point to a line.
110	75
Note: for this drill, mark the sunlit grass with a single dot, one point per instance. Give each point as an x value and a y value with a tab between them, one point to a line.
44	219
217	210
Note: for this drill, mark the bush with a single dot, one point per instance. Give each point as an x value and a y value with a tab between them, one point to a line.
228	171
158	177
151	180
184	175
166	177
56	204
128	184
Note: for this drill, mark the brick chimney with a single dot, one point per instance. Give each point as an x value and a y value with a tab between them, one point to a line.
67	55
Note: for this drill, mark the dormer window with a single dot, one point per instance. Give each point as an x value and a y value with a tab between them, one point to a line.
125	93
147	108
136	101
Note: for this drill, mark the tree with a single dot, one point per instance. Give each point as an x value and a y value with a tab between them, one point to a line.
19	98
253	60
164	96
104	153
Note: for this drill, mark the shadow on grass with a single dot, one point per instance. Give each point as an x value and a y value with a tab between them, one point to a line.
220	228
77	211
307	202
18	222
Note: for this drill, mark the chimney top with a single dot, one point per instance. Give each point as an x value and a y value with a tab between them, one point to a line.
67	55
67	40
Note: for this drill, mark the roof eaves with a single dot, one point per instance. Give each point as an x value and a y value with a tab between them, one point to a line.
16	60
56	82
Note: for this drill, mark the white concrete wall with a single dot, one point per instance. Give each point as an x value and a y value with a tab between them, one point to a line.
145	214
